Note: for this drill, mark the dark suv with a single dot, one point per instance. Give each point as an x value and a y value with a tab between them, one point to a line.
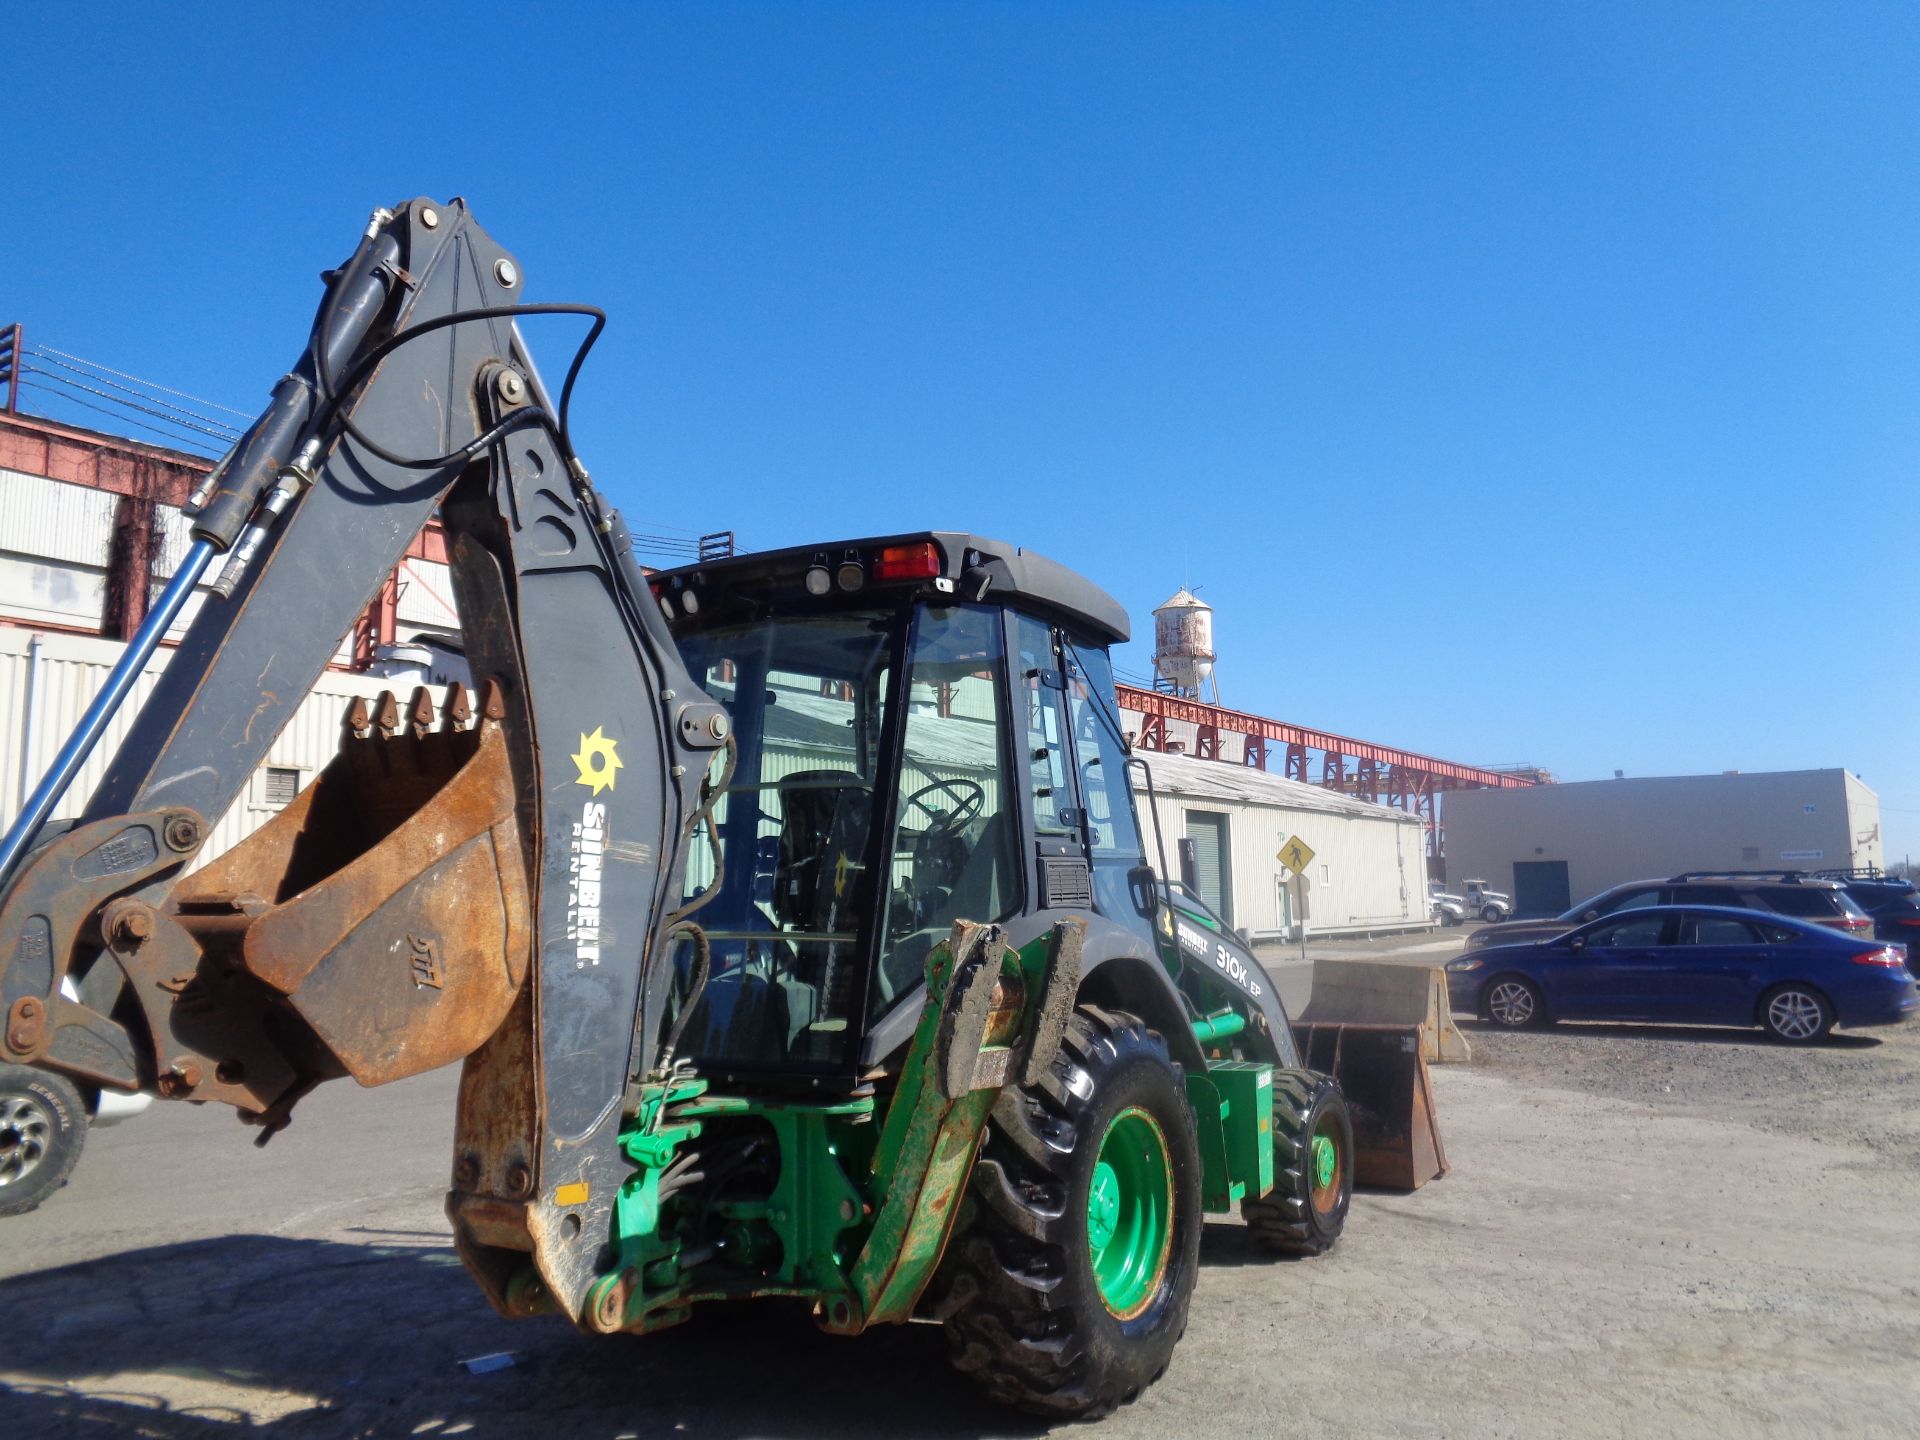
1785	892
1892	904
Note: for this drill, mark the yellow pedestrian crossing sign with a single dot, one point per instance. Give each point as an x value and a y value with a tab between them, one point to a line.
1296	855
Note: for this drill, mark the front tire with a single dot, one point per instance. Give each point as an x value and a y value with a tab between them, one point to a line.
1066	1287
1306	1210
1514	1003
1796	1014
1491	915
43	1128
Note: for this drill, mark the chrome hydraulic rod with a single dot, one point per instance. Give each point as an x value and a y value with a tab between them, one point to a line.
112	695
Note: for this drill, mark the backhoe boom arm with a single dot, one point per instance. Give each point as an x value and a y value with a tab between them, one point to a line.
498	884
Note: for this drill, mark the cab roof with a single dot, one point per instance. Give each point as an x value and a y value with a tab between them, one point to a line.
972	567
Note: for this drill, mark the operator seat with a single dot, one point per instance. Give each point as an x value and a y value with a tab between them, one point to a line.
825	817
981	892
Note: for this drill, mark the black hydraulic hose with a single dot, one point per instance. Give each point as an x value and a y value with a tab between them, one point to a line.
703	963
335	393
711	794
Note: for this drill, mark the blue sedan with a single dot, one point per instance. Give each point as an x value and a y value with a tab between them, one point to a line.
1691	964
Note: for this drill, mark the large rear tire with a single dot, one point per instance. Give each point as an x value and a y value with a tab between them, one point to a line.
1306	1210
43	1128
1066	1287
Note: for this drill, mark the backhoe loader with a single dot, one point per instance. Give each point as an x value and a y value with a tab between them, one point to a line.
787	913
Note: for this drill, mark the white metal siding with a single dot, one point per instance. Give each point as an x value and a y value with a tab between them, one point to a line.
1369	870
69	673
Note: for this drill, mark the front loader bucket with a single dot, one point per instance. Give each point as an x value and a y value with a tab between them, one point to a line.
1383	1070
1347	992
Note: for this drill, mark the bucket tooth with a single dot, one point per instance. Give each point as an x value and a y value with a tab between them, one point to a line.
420	713
358	721
457	713
493	700
386	714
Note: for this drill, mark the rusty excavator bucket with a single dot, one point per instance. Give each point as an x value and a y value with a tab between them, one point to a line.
1358	991
1374	1028
377	927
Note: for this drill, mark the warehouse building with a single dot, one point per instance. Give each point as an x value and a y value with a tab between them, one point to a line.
1369	869
91	526
1552	845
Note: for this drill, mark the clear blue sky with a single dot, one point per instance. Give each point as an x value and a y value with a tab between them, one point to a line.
1522	382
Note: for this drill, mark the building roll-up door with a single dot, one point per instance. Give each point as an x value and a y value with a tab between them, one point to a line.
1540	888
1208	831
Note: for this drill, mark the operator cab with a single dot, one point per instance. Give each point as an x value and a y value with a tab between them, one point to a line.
925	731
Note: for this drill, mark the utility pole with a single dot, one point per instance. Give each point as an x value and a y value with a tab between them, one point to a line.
10	357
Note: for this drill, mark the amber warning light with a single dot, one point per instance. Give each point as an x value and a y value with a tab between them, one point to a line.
909	562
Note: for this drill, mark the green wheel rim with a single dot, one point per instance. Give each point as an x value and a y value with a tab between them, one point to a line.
1326	1166
1130	1213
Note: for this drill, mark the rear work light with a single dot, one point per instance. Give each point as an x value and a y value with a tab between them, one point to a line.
1891	958
909	562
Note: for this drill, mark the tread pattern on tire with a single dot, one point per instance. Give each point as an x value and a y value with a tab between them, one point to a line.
1279	1222
69	1108
1010	1326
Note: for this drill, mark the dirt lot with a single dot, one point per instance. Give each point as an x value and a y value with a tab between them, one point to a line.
1648	1231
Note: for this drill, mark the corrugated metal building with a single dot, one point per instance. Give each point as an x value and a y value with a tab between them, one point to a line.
48	679
1557	844
1369	869
90	525
64	524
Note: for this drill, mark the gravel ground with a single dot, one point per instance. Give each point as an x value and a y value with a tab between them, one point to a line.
1672	1232
1862	1089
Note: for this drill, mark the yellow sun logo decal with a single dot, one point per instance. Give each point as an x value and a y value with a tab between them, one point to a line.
597	760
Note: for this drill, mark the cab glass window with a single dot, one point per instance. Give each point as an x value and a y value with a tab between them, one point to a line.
1100	755
1047	761
791	834
954	847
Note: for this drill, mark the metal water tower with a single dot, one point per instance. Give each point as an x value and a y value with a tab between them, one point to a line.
1183	647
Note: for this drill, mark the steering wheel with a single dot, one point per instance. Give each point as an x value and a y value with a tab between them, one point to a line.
969	799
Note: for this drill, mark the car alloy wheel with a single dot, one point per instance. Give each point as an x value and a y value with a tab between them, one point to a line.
1796	1015
1511	1003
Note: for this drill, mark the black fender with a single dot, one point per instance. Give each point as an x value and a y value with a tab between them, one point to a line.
1120	970
1118	973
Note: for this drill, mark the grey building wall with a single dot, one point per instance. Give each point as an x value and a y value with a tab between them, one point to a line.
1605	832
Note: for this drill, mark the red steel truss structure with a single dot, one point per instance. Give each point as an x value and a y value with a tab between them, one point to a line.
1366	771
